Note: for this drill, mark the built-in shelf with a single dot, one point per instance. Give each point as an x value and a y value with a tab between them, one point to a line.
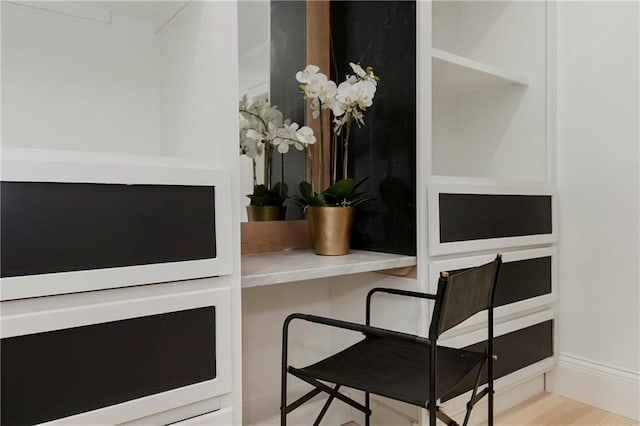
269	268
453	65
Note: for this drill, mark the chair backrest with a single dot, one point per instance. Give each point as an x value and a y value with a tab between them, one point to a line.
462	295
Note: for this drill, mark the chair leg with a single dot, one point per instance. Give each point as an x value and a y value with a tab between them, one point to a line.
490	388
283	399
325	408
490	365
367	398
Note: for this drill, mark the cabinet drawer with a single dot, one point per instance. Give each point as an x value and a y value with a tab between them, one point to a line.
115	360
474	215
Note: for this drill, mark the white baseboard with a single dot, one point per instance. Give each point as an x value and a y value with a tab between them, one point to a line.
604	386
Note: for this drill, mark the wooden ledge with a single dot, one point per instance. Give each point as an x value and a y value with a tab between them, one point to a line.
261	237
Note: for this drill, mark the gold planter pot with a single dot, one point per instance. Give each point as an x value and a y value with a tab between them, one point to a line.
263	213
330	229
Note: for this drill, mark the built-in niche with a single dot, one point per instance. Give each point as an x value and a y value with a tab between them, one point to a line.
383	35
121	77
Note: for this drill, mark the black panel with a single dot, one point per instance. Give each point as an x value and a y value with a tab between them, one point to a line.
521	280
515	350
382	34
288	56
465	217
56	374
61	227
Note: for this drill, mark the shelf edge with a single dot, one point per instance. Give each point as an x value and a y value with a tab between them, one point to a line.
481	67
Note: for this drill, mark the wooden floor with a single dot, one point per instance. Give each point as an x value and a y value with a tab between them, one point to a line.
550	409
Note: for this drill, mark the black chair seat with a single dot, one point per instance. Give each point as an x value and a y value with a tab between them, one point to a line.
394	368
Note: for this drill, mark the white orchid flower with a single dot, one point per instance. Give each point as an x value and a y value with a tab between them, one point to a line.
358	70
346	94
313	88
320	87
285	136
363	92
255	135
251	148
351	79
307	75
305	137
328	91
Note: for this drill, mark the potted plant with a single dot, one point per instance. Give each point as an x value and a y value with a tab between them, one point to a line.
262	128
330	212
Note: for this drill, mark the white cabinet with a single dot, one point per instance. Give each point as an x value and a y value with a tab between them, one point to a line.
123	97
489	89
487	184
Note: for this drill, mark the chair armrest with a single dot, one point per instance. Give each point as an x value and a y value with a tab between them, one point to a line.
396	292
365	329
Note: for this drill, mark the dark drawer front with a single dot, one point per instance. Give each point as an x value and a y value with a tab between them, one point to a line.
50	375
515	350
63	227
466	217
523	279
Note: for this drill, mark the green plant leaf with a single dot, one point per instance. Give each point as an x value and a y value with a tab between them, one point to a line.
306	192
266	197
341	190
281	189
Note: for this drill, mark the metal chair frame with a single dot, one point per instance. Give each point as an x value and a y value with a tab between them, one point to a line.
367	329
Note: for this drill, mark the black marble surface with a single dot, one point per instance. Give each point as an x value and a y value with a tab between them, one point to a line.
288	56
382	34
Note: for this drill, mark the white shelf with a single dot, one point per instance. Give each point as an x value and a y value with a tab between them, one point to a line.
261	269
453	65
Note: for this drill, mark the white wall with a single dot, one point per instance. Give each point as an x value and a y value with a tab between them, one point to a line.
192	74
598	183
264	310
71	83
254	46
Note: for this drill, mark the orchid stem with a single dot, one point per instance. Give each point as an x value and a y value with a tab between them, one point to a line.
255	178
267	166
335	158
281	175
345	154
310	163
321	147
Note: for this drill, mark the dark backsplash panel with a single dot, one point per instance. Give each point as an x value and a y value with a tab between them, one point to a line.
382	34
288	56
61	227
465	217
51	375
